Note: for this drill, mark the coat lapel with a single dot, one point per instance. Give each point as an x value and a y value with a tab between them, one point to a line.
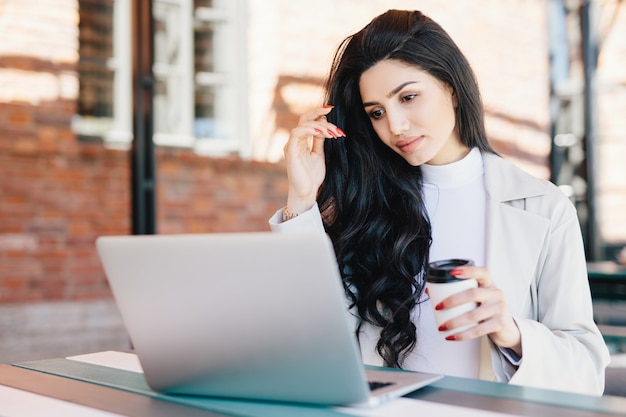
515	236
514	239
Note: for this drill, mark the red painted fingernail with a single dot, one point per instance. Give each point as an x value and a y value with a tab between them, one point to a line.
331	133
456	272
443	328
319	131
341	131
328	106
439	306
451	337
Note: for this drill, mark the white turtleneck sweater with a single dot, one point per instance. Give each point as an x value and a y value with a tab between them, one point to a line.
455	202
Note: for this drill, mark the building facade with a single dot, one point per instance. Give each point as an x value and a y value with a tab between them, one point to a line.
232	78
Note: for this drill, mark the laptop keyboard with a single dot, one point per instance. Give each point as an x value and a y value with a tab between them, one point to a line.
374	385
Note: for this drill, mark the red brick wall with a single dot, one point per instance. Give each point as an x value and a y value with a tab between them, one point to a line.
198	194
54	204
58	194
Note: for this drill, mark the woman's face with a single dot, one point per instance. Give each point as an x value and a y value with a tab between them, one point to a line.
412	112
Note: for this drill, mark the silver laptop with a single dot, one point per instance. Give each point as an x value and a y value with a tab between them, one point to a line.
256	315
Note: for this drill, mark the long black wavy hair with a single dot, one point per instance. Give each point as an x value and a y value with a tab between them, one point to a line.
371	198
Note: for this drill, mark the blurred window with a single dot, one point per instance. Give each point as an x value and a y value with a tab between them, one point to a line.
199	70
96	69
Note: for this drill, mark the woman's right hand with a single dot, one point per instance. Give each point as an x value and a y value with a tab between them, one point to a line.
304	154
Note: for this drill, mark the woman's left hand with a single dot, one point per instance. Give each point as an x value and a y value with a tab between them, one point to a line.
492	315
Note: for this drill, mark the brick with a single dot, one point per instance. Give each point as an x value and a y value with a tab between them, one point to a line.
83	228
12	284
44	226
20	116
13	203
18	242
25	146
47	139
54	255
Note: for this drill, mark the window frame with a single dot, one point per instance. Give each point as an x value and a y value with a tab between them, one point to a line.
231	104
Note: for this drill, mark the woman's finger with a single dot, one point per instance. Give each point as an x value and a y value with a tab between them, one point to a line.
479	273
317	119
316	114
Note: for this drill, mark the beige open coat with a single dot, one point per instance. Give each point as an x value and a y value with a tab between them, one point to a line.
536	256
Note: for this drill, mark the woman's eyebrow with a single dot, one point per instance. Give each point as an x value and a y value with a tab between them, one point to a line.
391	93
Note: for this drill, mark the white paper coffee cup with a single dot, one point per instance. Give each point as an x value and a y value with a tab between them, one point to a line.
441	285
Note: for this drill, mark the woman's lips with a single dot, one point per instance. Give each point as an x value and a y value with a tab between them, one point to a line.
409	144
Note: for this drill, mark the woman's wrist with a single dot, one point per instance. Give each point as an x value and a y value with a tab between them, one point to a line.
296	206
288	215
509	338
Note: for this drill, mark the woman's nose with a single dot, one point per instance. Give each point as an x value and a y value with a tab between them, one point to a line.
398	122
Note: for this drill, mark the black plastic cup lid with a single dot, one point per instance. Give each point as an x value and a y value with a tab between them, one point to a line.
439	271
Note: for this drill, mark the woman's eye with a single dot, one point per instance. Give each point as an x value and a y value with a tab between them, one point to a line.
377	114
407	97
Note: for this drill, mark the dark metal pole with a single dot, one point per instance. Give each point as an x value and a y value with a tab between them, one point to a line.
559	72
142	152
590	59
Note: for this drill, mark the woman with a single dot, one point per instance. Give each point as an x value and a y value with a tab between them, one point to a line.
413	179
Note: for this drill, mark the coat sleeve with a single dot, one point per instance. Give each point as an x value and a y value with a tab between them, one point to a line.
562	346
309	221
